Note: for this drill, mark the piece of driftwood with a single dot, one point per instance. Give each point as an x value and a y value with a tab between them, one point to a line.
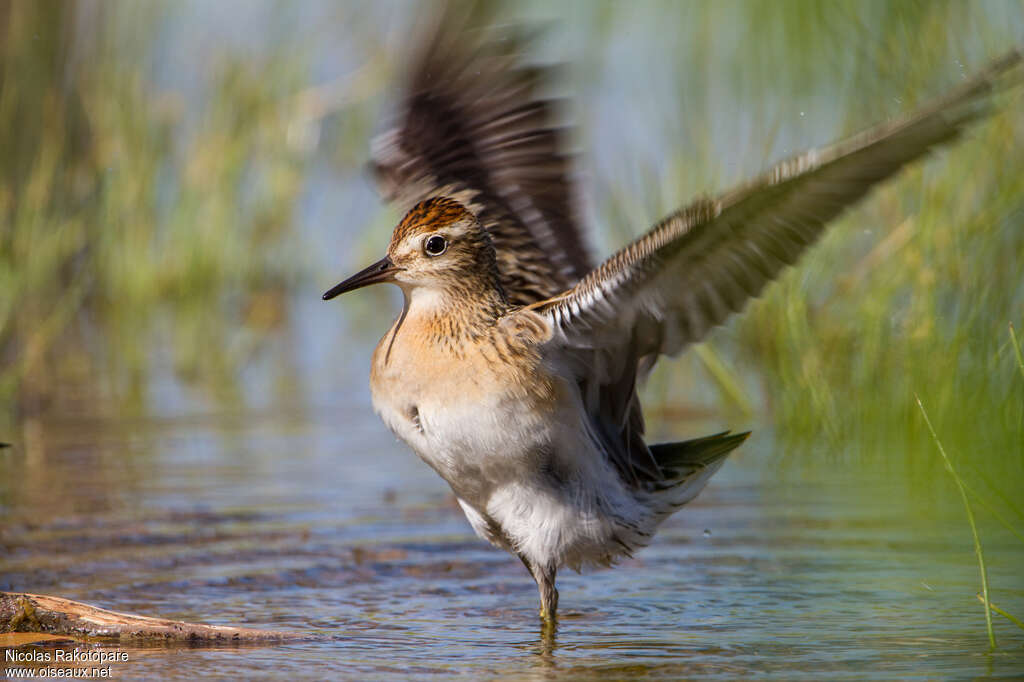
21	612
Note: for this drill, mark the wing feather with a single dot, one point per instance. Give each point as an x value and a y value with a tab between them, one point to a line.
474	125
698	266
706	261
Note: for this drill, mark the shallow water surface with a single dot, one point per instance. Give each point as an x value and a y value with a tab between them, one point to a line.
293	522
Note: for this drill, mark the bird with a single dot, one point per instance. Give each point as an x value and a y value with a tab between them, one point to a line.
513	365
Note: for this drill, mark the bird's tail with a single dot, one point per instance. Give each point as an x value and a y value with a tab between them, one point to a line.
688	465
685	468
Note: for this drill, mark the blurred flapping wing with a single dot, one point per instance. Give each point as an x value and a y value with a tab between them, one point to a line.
474	127
694	269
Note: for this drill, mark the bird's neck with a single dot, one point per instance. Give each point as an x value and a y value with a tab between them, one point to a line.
466	310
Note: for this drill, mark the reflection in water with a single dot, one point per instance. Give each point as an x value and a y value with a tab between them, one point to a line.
547	644
206	521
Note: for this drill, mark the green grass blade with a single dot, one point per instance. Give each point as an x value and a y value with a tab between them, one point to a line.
992	510
970	520
1013	619
1016	349
1003	497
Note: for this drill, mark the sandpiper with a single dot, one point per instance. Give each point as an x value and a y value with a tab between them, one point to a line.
512	367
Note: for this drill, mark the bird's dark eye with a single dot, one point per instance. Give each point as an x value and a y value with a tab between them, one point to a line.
435	246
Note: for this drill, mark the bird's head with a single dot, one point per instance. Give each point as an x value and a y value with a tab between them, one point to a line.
439	245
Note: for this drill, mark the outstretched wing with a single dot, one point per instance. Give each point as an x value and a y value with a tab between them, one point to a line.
474	127
667	289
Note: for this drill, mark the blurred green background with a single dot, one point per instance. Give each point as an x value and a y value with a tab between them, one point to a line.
179	181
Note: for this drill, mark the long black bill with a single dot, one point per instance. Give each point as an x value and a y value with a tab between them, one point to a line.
381	271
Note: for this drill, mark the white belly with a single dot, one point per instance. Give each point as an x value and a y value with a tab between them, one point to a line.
473	441
529	481
515	448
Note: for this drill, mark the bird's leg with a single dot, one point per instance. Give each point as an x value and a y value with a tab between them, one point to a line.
548	595
544	576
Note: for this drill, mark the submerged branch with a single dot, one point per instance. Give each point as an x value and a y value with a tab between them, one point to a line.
21	612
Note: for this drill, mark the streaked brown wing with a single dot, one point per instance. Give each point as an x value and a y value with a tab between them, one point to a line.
693	270
474	126
667	289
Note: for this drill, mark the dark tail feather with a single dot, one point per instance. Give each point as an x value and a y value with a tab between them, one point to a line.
680	461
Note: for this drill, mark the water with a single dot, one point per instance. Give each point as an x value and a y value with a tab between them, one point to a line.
300	512
319	523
